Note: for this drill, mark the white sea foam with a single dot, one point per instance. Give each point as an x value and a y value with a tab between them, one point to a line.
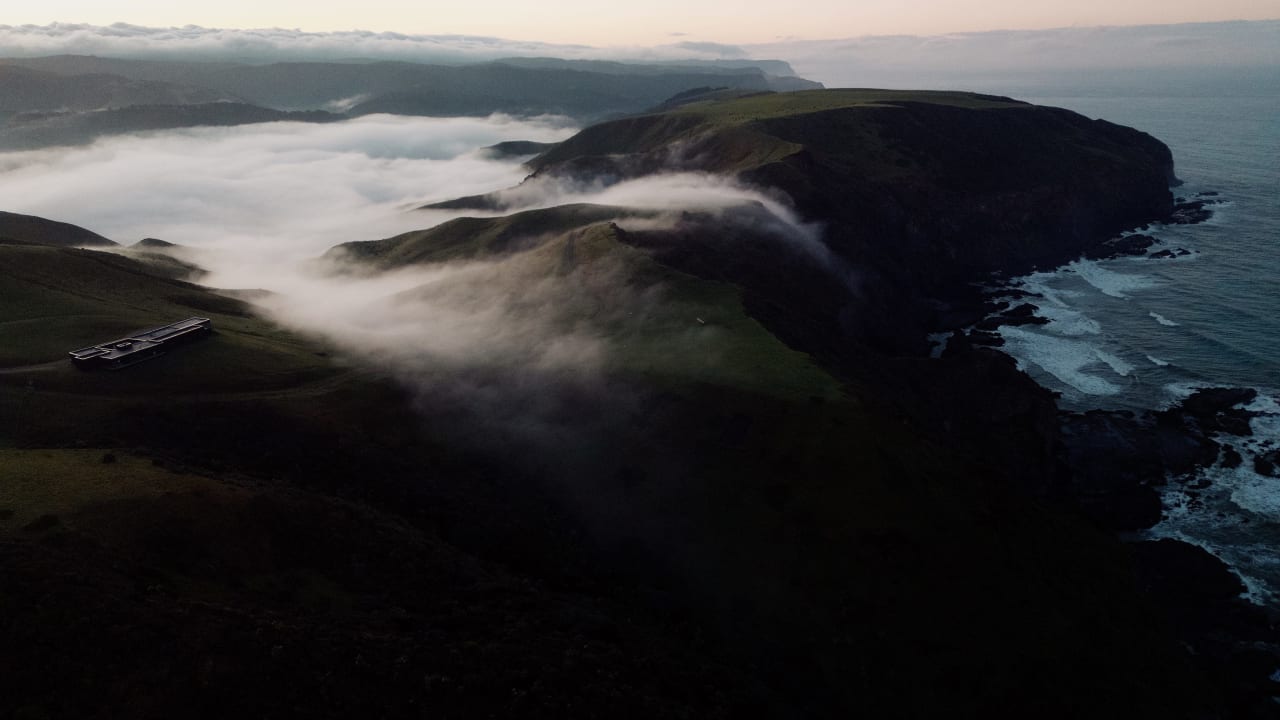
1256	591
1257	494
1039	284
1065	321
1064	359
1247	561
1109	282
937	343
1117	365
1269	404
1163	320
1234	516
1176	392
1157	361
1221	213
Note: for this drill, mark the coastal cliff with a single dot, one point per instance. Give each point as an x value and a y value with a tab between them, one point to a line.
923	195
920	192
761	497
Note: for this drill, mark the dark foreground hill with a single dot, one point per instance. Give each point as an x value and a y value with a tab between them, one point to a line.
742	503
243	526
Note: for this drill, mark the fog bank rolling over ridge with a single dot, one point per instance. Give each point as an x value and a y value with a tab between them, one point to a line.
255	205
282	190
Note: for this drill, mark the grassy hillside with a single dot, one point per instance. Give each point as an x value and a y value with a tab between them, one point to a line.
59	299
472	238
694	121
656	323
920	191
727	469
39	231
178	591
194	495
856	139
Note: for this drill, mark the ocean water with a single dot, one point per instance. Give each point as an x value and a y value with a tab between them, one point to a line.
1141	333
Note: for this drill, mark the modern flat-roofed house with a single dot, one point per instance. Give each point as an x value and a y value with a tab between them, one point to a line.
139	346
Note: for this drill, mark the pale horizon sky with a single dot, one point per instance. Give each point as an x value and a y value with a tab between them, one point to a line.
652	22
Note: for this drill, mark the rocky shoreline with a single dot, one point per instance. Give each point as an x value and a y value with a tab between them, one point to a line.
919	246
1118	461
1114	464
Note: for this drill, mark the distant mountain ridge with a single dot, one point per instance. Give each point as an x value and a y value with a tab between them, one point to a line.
40	231
30	131
576	93
24	89
473	89
146	94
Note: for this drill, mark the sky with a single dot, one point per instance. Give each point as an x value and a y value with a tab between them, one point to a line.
646	23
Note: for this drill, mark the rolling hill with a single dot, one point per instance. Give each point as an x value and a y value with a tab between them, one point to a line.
920	191
756	492
237	492
40	231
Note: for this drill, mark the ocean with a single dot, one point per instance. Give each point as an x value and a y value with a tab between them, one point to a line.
1142	333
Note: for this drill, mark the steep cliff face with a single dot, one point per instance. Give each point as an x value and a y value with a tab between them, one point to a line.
920	191
956	190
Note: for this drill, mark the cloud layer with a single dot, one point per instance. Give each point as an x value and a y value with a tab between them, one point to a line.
279	191
855	60
279	44
257	203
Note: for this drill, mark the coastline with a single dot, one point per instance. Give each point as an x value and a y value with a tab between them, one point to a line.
1144	473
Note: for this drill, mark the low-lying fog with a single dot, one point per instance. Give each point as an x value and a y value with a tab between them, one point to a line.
273	191
514	356
259	202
